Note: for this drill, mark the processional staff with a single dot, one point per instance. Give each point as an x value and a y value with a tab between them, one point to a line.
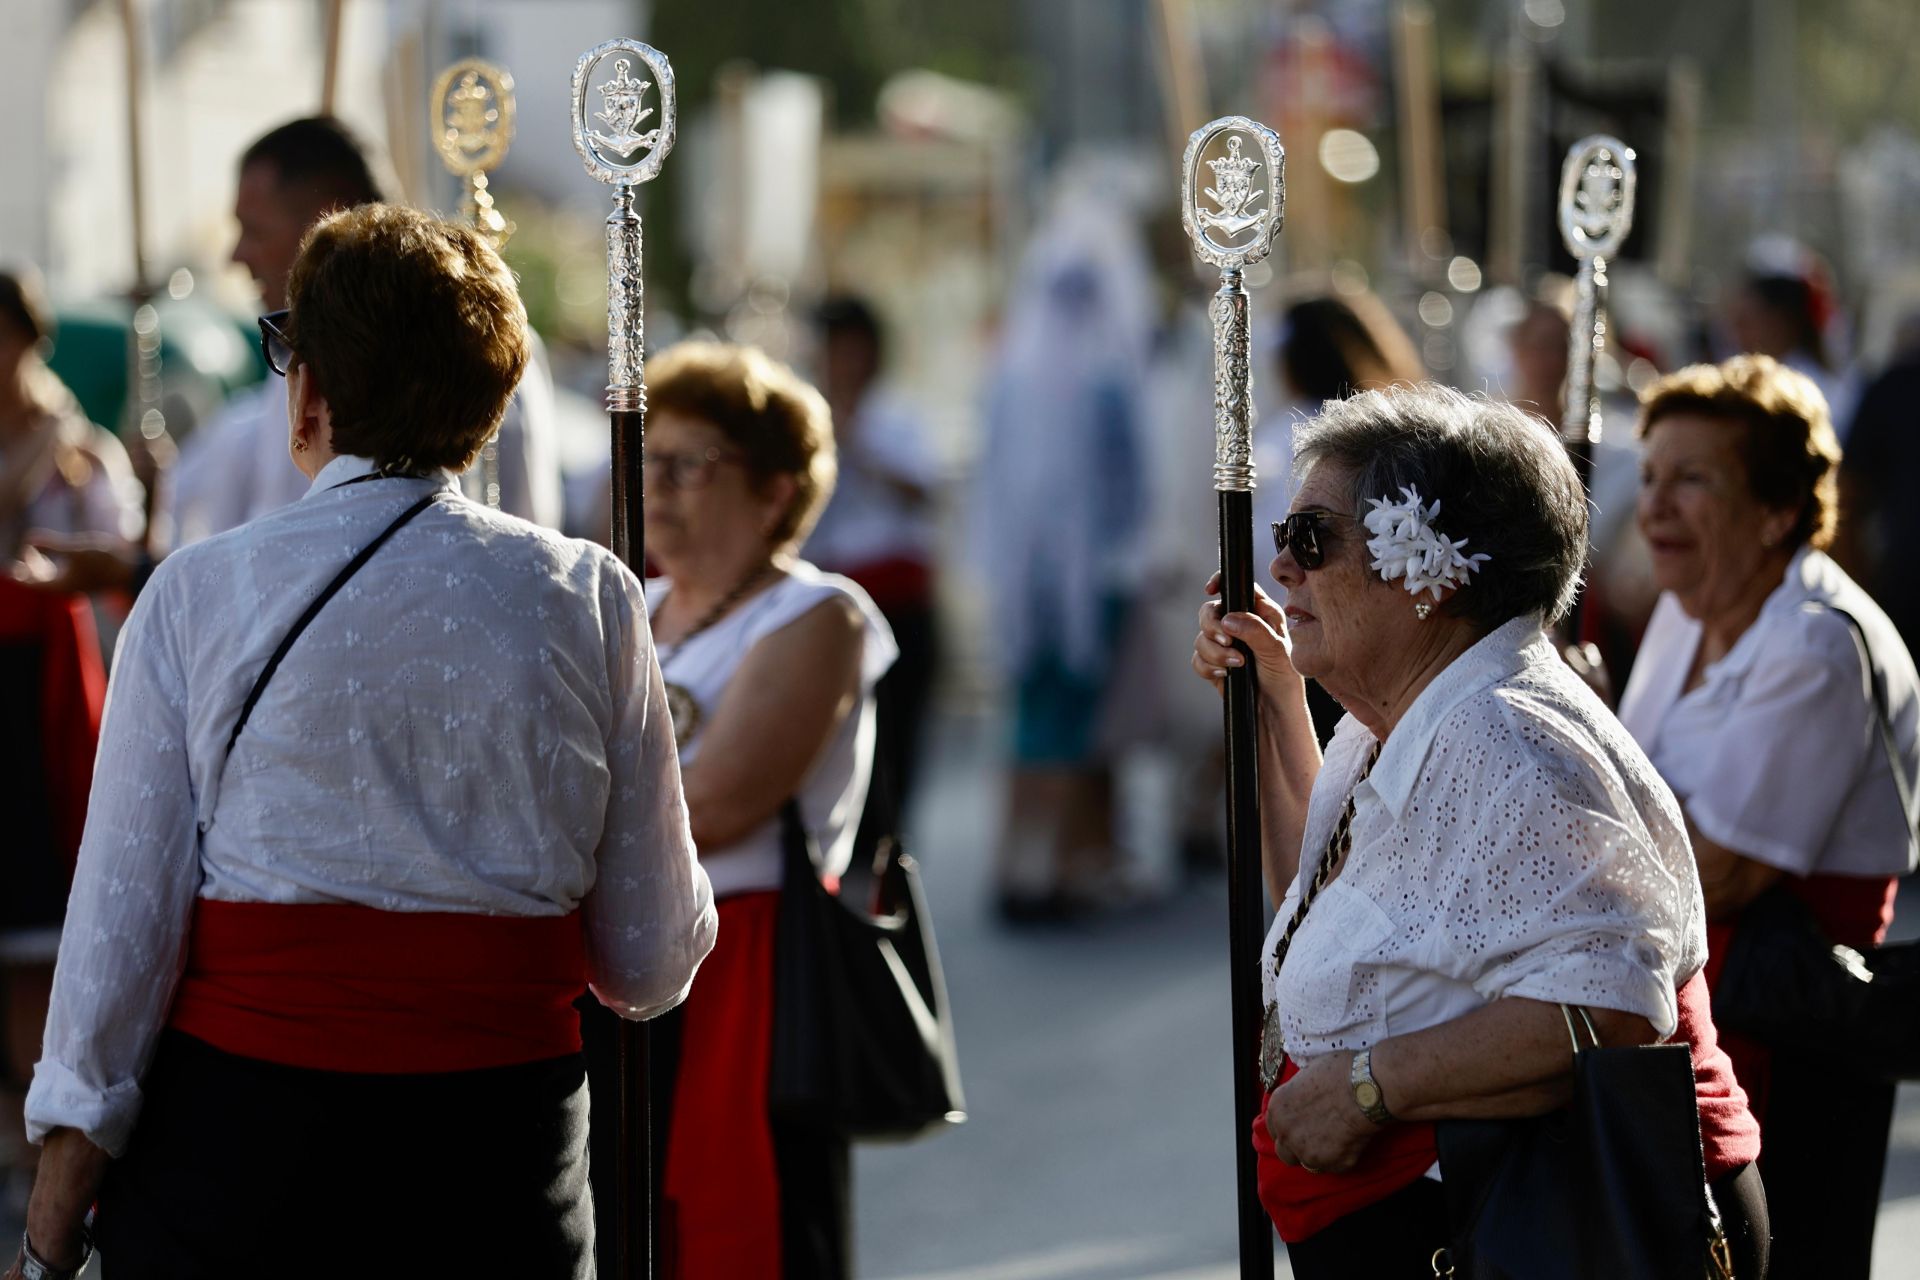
619	150
1248	199
472	122
1596	214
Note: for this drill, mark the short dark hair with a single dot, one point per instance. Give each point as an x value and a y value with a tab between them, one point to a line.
1787	443
1502	478
320	155
845	313
23	308
766	410
414	332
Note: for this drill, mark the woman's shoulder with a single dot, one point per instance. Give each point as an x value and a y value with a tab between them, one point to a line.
802	590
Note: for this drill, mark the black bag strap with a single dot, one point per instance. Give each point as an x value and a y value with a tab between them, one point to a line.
319	602
1877	694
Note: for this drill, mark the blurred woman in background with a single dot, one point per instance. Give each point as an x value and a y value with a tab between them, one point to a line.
770	669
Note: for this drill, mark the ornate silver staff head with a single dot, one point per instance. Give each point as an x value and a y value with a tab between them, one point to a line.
1596	196
624	143
1233	195
1247	191
472	128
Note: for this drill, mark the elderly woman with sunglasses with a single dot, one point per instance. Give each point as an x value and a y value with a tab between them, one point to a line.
1481	843
386	779
770	668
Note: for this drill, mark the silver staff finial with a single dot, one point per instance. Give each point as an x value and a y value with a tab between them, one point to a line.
1596	196
623	152
1248	193
1249	198
1596	214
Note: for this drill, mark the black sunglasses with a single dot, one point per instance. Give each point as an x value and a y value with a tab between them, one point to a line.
274	346
1301	532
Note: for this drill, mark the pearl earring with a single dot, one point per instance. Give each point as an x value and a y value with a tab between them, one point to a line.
1423	611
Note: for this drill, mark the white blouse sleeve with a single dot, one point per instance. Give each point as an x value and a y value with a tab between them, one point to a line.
1790	750
649	916
133	893
1559	899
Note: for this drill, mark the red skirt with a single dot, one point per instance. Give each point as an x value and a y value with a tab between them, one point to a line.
721	1182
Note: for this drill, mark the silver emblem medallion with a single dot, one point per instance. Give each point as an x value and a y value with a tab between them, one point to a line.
1273	1050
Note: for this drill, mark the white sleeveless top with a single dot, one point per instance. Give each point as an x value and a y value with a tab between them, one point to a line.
833	793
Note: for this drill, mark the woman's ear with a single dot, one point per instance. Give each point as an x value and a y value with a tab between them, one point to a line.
309	418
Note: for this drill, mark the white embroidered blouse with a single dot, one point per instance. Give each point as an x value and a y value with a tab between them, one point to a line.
1511	840
1778	754
475	722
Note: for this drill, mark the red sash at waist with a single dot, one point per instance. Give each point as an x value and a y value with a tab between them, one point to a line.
352	989
1302	1204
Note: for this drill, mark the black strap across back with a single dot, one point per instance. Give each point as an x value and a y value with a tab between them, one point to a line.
353	566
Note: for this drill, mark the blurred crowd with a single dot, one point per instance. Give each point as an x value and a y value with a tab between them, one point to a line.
1087	513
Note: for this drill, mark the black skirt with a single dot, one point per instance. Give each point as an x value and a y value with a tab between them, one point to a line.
244	1168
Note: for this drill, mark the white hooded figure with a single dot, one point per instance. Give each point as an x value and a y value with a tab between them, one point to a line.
1061	525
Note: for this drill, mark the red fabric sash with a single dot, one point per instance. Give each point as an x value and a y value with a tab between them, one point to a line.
894	583
72	690
1302	1203
353	989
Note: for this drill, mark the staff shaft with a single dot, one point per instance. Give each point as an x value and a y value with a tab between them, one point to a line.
635	1239
1246	908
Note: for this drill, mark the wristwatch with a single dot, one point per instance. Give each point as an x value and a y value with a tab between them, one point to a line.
34	1267
1366	1090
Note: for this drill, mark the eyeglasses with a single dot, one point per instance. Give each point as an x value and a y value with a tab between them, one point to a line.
1302	532
274	346
691	470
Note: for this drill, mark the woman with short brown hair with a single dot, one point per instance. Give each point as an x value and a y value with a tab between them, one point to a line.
386	777
770	666
1751	698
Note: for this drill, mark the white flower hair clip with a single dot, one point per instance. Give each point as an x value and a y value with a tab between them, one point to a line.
1406	545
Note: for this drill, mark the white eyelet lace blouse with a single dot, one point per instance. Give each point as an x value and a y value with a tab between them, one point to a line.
475	723
1512	840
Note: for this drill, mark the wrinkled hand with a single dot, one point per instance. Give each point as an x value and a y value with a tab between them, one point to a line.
1314	1120
77	564
1264	632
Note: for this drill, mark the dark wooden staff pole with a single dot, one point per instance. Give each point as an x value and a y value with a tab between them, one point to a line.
1247	191
618	151
1596	213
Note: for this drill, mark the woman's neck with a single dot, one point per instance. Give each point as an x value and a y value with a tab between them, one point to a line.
702	586
1385	700
1722	624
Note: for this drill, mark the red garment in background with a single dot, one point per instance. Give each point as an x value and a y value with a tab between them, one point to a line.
72	692
721	1180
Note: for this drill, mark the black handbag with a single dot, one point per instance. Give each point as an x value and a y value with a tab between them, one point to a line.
1786	984
863	1041
1611	1185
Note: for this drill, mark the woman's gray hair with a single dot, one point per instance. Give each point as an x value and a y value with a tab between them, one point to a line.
1501	476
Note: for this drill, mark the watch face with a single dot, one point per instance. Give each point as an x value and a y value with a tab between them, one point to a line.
1367	1094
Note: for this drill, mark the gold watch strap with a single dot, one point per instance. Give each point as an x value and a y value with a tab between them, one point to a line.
1366	1090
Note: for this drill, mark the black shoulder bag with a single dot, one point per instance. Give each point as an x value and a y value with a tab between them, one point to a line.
1612	1185
1786	983
863	1041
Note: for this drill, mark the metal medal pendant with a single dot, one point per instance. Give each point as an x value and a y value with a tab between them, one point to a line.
684	710
1273	1051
